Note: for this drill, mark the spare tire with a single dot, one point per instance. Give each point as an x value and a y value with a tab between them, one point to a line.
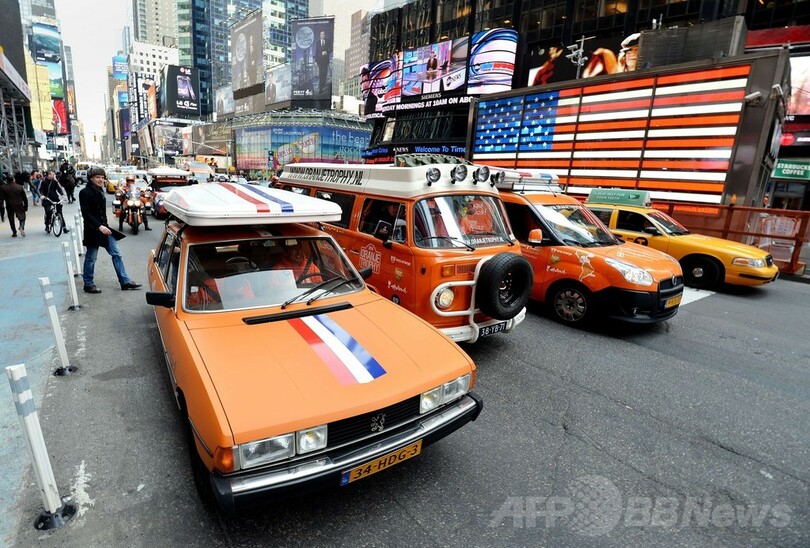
504	284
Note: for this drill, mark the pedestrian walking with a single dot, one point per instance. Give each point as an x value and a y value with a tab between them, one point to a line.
97	232
3	182
14	200
35	180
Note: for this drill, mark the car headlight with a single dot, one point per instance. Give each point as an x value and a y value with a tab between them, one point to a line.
631	273
445	298
747	261
445	393
310	439
266	451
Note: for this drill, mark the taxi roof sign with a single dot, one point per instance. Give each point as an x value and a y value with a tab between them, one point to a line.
619	196
229	204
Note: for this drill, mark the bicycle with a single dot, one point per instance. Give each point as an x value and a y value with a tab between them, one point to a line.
57	224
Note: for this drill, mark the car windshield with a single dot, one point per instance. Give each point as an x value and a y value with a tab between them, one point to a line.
670	225
265	272
160	185
459	220
573	224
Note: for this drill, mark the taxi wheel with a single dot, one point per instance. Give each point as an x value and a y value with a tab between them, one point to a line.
503	286
700	272
571	304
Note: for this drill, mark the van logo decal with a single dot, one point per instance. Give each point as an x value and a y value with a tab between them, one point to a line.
588	271
370	257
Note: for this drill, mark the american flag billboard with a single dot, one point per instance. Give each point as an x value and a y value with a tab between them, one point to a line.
673	132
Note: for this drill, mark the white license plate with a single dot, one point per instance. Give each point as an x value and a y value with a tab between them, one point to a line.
492	329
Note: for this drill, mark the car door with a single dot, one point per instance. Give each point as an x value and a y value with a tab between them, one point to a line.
163	277
633	226
523	220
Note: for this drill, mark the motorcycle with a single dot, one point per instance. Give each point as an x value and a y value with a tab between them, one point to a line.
130	207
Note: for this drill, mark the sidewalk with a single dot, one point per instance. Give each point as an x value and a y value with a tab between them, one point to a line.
25	337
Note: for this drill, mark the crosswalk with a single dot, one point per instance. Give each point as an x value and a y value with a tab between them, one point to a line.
691	295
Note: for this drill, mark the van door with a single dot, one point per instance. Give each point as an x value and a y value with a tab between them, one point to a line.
523	220
381	242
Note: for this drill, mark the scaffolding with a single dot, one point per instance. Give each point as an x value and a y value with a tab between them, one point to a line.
13	131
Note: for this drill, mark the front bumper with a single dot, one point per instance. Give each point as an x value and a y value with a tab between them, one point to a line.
641	307
322	471
475	330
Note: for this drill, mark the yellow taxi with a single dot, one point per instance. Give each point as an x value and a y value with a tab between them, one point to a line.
114	180
291	374
706	260
581	271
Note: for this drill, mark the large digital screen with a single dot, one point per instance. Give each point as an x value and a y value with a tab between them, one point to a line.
182	91
120	68
43	8
433	70
168	138
60	117
492	61
124	123
123	99
247	53
381	85
70	90
138	95
224	100
47	43
312	58
799	104
209	140
56	79
277	85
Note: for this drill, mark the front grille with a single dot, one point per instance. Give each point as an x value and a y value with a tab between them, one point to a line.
769	260
668	283
463	269
354	428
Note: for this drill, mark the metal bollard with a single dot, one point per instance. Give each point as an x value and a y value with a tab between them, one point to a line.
77	221
47	295
57	510
78	270
71	284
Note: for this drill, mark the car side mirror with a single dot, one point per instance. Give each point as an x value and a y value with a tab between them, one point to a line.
160	298
365	273
535	236
653	231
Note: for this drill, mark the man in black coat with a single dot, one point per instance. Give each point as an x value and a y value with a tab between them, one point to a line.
97	232
323	55
15	200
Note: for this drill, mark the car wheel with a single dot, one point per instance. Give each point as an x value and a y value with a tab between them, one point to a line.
572	304
700	272
503	286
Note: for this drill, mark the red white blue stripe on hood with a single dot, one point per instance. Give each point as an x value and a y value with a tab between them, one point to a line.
342	354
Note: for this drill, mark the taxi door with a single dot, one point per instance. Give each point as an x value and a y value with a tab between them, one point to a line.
632	226
381	243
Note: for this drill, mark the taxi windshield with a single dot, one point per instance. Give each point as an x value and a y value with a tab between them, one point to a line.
670	225
265	272
573	224
459	220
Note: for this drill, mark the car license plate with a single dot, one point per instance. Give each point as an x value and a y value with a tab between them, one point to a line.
492	329
673	301
378	465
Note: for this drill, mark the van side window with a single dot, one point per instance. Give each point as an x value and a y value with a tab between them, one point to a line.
603	214
522	220
345	201
296	189
630	220
383	218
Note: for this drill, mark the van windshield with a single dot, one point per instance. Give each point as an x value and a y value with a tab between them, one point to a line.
459	220
574	224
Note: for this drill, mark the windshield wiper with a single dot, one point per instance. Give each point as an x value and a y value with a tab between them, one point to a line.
343	281
309	291
447	239
501	236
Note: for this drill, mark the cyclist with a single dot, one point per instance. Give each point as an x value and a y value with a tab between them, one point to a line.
53	194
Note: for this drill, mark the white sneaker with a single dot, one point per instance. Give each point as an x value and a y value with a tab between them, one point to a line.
22	231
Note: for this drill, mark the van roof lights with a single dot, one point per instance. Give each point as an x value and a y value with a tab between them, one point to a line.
458	174
433	175
481	174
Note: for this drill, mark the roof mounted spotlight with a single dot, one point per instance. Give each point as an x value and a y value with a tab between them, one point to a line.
497	178
481	174
433	175
458	174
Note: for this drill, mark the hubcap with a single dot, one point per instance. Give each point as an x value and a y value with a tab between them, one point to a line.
571	305
697	272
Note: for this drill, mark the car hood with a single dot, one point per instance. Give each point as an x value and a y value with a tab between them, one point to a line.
714	245
658	264
280	376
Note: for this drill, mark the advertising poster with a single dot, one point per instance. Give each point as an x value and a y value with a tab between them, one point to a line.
168	139
56	78
151	101
252	104
43	8
60	117
252	145
277	85
145	141
312	58
343	145
492	61
71	99
224	100
209	139
799	104
247	55
123	99
47	43
381	85
182	88
123	123
139	94
120	68
295	144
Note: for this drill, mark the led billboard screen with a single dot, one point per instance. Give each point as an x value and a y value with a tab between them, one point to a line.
247	55
224	100
120	68
492	61
312	58
60	117
182	91
277	85
47	43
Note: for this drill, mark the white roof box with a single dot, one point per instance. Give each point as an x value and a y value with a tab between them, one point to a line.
168	172
228	204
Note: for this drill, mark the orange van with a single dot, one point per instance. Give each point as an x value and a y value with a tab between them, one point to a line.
580	269
434	233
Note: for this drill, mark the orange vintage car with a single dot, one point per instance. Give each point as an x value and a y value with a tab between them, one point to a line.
292	374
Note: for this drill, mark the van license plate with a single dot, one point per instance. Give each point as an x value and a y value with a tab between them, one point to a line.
378	465
492	329
673	301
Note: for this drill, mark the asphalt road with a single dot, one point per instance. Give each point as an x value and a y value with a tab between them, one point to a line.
692	432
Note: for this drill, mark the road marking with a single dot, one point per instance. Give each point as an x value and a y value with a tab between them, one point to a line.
691	295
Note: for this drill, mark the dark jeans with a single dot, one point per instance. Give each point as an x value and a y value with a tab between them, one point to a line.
91	255
12	217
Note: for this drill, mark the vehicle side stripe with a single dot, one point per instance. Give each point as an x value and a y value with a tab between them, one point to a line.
261	207
349	360
332	361
286	207
363	356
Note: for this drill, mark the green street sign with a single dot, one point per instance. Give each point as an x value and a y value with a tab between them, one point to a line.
792	169
619	197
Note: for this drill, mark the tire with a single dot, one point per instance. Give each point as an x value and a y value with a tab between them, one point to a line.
135	225
503	287
700	272
571	304
57	224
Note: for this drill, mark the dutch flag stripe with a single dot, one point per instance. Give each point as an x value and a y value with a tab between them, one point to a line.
286	207
349	360
358	351
322	349
261	207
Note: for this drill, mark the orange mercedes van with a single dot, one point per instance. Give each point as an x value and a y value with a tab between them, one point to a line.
580	269
434	232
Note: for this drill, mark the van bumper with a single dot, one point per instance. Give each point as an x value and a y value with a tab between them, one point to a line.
475	330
